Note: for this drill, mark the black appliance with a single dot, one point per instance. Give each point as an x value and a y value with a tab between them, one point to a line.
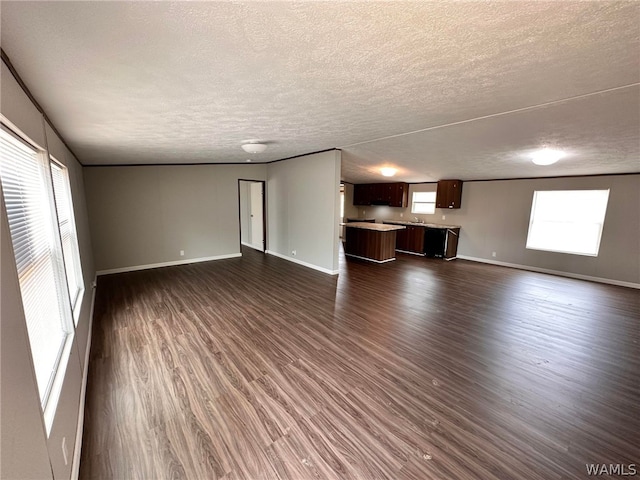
434	242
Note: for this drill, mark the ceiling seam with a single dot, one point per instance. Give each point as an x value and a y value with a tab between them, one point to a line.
493	115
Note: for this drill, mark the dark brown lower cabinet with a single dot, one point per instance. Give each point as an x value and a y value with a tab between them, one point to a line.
428	240
451	245
411	240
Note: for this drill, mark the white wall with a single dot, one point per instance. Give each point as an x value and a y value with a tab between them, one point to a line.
146	215
303	206
495	218
26	451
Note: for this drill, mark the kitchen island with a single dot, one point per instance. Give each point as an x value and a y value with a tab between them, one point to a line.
375	242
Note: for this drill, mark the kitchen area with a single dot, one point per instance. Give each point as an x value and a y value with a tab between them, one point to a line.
381	219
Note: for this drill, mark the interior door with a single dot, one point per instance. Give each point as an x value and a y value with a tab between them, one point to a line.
257	224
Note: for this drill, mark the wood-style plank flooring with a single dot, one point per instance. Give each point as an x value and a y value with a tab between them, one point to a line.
257	368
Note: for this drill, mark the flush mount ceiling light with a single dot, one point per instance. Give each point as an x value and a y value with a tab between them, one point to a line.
388	171
254	146
546	156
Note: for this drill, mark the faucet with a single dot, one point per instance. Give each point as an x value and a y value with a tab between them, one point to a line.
418	220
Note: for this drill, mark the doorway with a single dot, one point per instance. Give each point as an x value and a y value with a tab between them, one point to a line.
252	214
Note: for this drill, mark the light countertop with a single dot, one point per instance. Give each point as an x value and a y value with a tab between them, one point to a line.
378	227
419	224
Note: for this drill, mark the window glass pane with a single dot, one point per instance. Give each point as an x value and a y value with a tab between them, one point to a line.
25	181
424	197
70	251
423	202
567	221
427	208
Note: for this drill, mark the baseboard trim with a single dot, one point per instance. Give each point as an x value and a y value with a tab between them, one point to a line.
77	451
578	276
167	264
304	264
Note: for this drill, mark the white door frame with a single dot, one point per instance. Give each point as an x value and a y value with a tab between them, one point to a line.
261	210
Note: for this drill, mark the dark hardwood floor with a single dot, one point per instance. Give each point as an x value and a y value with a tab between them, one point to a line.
257	368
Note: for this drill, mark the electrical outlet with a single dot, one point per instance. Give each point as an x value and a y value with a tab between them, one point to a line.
294	252
65	453
444	217
182	253
400	215
493	254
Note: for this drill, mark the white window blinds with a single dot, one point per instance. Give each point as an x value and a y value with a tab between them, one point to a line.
64	208
26	188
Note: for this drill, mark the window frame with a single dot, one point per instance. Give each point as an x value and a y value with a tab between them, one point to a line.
50	395
415	202
76	298
600	223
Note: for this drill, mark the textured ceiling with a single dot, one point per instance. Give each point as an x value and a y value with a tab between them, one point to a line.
160	82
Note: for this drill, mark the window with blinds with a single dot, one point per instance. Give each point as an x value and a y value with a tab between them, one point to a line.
66	225
28	196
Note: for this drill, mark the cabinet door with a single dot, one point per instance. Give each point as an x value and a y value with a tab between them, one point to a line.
402	239
442	194
374	192
379	192
455	194
360	196
404	192
415	239
449	194
371	193
453	234
398	195
387	193
357	195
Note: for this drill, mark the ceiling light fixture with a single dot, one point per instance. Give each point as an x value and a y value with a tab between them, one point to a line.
388	171
254	146
546	156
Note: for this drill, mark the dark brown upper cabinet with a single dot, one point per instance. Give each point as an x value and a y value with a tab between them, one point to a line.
449	194
391	194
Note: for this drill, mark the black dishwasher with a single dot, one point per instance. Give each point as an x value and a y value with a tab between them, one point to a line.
434	241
